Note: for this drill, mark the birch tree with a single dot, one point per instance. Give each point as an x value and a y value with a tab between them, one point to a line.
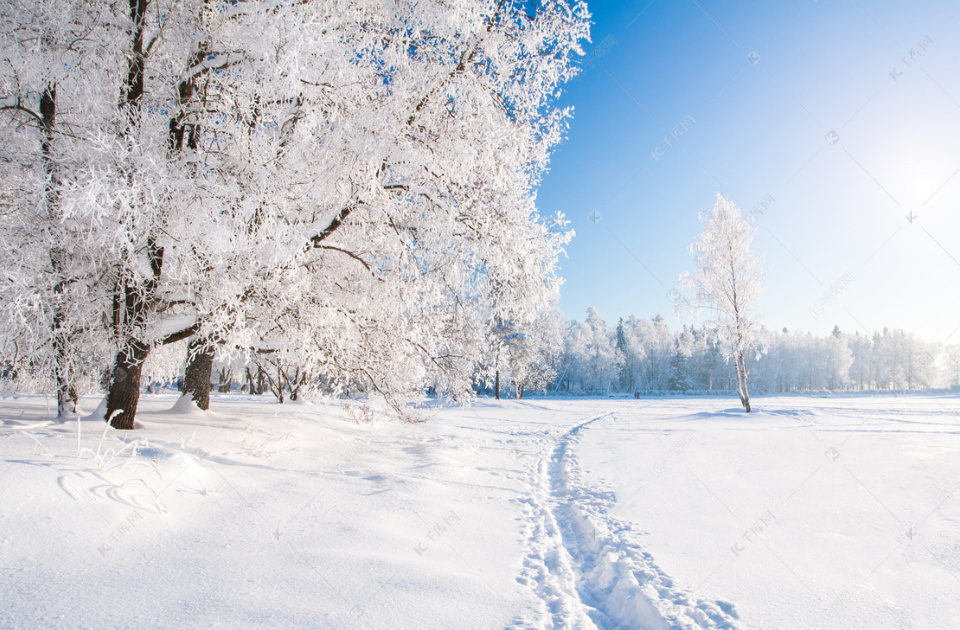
728	280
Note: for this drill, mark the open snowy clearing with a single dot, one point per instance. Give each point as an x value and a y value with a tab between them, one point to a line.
833	512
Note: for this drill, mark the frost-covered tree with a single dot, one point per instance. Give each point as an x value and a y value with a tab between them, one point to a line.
534	352
70	99
860	364
592	354
839	360
679	377
728	280
254	175
631	348
710	366
657	342
953	354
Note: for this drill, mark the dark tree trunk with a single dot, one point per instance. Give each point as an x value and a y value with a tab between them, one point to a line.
496	385
280	387
130	301
262	381
198	372
299	379
277	386
294	385
124	393
225	381
137	60
130	310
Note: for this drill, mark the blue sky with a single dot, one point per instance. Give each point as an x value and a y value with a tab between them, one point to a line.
842	116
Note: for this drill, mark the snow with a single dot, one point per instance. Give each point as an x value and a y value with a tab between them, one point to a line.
811	513
831	512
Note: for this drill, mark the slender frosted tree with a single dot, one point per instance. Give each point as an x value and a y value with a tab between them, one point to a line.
728	280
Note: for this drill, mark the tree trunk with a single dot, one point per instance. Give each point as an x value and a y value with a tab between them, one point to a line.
496	385
742	382
295	383
124	392
63	372
225	379
130	302
67	397
198	372
278	386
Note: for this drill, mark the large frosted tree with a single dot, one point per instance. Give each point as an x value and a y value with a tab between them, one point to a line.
334	183
728	281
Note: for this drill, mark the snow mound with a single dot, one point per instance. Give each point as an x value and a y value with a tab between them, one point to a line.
100	413
185	406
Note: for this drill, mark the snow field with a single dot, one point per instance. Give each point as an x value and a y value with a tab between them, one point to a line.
811	513
571	513
290	516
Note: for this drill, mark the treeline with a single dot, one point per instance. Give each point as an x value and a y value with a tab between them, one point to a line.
590	357
645	355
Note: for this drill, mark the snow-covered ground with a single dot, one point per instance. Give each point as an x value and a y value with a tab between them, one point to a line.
838	512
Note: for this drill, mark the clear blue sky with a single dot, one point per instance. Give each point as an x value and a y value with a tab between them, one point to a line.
844	115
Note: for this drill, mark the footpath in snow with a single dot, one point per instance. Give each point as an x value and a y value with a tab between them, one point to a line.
588	568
